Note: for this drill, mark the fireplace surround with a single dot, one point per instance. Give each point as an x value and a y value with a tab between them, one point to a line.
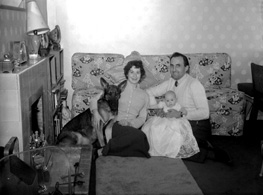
19	91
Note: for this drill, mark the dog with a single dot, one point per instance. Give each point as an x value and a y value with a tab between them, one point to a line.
80	130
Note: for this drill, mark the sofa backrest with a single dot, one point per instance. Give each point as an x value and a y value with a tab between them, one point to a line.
212	69
87	68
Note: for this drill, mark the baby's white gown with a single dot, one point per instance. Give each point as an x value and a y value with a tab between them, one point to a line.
170	137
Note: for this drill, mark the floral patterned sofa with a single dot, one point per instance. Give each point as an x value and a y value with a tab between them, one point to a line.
227	105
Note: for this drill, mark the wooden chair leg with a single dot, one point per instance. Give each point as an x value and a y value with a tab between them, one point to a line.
261	171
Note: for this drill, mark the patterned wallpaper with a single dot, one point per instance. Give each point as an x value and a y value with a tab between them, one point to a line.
161	27
158	27
12	28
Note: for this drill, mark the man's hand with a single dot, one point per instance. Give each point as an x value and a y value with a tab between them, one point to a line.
160	113
172	113
184	111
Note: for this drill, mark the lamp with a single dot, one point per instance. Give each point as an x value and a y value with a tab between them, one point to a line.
36	26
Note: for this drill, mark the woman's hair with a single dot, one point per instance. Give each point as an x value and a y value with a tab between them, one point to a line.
136	64
177	54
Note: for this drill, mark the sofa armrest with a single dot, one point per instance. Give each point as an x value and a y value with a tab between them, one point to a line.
81	99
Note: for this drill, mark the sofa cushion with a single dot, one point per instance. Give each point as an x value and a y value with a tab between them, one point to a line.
87	68
81	99
134	175
227	111
156	68
225	100
212	69
229	125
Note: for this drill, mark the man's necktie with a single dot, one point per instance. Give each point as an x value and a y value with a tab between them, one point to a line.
176	83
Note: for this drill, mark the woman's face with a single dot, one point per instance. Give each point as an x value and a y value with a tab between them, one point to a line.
134	75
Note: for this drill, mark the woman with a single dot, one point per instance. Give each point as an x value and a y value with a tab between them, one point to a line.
125	138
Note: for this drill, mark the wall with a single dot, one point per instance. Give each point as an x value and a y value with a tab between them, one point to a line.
161	27
13	25
12	28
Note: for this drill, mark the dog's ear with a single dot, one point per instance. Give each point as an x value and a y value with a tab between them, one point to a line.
122	85
104	83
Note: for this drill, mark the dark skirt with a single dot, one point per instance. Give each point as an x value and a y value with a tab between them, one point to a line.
127	141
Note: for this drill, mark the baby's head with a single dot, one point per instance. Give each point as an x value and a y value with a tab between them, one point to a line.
170	98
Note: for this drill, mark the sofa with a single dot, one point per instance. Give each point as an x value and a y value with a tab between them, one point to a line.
156	175
226	104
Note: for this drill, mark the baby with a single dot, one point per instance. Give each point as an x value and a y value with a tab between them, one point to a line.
170	137
170	102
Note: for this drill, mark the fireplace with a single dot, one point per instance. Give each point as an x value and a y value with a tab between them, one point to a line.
25	93
37	128
37	116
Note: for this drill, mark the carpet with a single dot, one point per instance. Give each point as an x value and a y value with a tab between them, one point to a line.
133	175
215	178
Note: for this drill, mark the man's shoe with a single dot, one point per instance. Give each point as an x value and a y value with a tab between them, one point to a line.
223	156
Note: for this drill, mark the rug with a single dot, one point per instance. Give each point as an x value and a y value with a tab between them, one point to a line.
134	175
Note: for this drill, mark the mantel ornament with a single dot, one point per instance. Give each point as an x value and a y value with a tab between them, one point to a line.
55	37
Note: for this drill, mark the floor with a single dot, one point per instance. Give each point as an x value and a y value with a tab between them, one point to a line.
215	178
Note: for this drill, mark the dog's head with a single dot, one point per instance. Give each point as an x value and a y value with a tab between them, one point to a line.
112	94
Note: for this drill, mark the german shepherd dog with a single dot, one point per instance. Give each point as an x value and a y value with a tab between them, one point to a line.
80	130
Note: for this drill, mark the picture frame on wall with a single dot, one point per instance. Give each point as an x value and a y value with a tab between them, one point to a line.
19	51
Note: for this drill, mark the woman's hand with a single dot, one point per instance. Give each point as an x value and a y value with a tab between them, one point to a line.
172	113
124	123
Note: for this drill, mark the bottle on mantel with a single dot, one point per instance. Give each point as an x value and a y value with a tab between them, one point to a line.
66	113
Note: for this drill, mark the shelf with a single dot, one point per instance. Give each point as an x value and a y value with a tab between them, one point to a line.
56	90
57	109
60	82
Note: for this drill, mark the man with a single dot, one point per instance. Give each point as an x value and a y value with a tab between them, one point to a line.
190	95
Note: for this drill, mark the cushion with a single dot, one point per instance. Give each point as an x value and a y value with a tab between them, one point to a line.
81	99
225	100
156	68
212	69
134	175
87	68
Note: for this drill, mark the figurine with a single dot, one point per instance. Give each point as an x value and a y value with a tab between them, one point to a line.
6	65
66	113
54	38
44	45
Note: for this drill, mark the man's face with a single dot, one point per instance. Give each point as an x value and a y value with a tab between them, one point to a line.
177	68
